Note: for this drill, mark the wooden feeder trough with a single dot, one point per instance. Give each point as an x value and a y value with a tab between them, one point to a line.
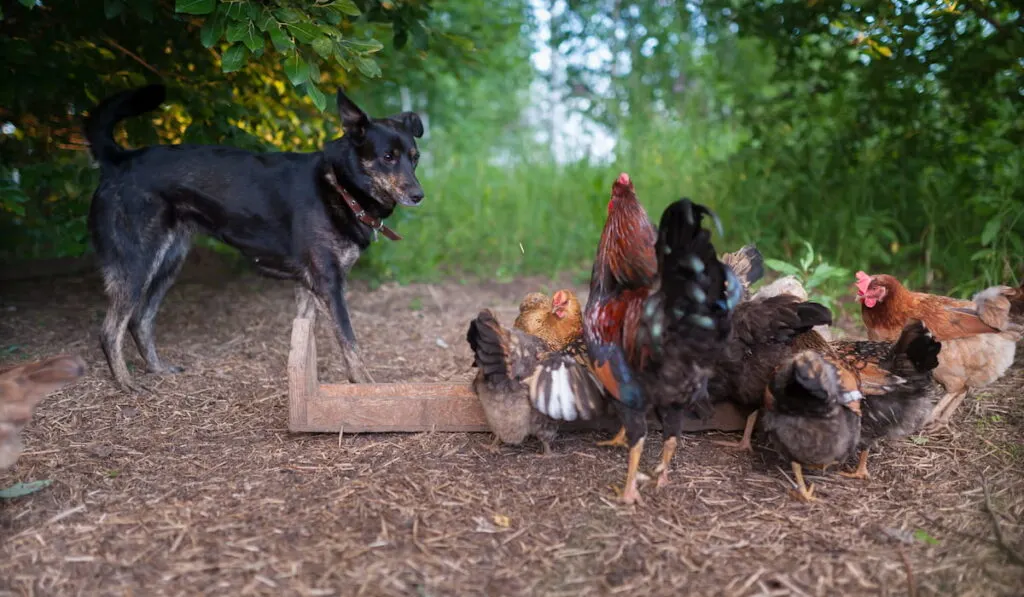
405	407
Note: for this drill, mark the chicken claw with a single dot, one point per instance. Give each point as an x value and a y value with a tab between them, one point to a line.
619	441
545	449
862	468
804	493
495	446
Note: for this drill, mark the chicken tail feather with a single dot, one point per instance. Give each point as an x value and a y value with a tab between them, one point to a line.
488	341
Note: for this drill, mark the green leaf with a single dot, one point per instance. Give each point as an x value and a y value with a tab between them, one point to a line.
363	46
318	97
236	31
112	8
239	11
282	42
991	230
20	489
323	46
304	32
782	267
212	31
347	7
233	58
245	33
924	537
28	3
296	69
195	7
288	15
367	66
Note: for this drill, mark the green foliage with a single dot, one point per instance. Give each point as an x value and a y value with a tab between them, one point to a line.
887	136
822	280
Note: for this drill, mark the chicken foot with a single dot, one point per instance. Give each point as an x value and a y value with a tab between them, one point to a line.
944	410
748	432
803	492
862	468
619	441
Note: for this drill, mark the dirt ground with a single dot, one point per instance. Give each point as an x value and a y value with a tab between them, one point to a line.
201	490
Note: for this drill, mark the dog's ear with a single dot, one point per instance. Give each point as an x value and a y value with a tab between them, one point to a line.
353	119
410	121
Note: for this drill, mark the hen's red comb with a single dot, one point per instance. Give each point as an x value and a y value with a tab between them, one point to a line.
623	179
863	281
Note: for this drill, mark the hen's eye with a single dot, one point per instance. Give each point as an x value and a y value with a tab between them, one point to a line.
389	157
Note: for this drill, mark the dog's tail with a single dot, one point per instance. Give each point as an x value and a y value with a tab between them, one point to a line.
99	125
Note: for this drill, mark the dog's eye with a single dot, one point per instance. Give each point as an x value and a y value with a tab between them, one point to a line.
389	157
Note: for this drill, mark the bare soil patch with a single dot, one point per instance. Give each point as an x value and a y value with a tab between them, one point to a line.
201	490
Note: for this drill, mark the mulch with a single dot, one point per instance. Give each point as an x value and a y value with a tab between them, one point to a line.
199	489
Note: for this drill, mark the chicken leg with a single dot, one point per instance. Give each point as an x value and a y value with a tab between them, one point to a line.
748	432
668	450
862	468
619	441
803	492
630	493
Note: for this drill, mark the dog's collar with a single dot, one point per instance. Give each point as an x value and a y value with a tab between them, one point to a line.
375	223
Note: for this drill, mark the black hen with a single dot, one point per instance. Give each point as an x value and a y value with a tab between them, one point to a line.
897	384
762	337
684	326
809	416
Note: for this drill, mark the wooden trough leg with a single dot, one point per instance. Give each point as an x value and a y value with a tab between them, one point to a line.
303	385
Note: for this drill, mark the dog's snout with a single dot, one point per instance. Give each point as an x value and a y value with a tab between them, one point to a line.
415	195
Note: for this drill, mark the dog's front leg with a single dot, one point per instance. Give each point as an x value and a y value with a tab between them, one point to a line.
331	290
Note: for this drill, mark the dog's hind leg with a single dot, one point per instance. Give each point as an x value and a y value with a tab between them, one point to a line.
123	300
166	265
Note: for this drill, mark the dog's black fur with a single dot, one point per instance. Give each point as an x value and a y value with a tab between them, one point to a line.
276	208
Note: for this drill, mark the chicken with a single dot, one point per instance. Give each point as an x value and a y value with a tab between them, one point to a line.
653	338
748	265
763	333
791	285
812	413
21	388
974	353
509	383
1000	307
897	384
534	311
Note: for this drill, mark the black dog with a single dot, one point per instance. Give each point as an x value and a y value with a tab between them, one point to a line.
298	216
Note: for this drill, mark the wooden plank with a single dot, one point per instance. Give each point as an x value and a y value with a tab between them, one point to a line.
303	385
403	407
417	407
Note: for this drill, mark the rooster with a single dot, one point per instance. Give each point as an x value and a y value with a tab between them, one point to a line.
974	353
656	319
897	384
